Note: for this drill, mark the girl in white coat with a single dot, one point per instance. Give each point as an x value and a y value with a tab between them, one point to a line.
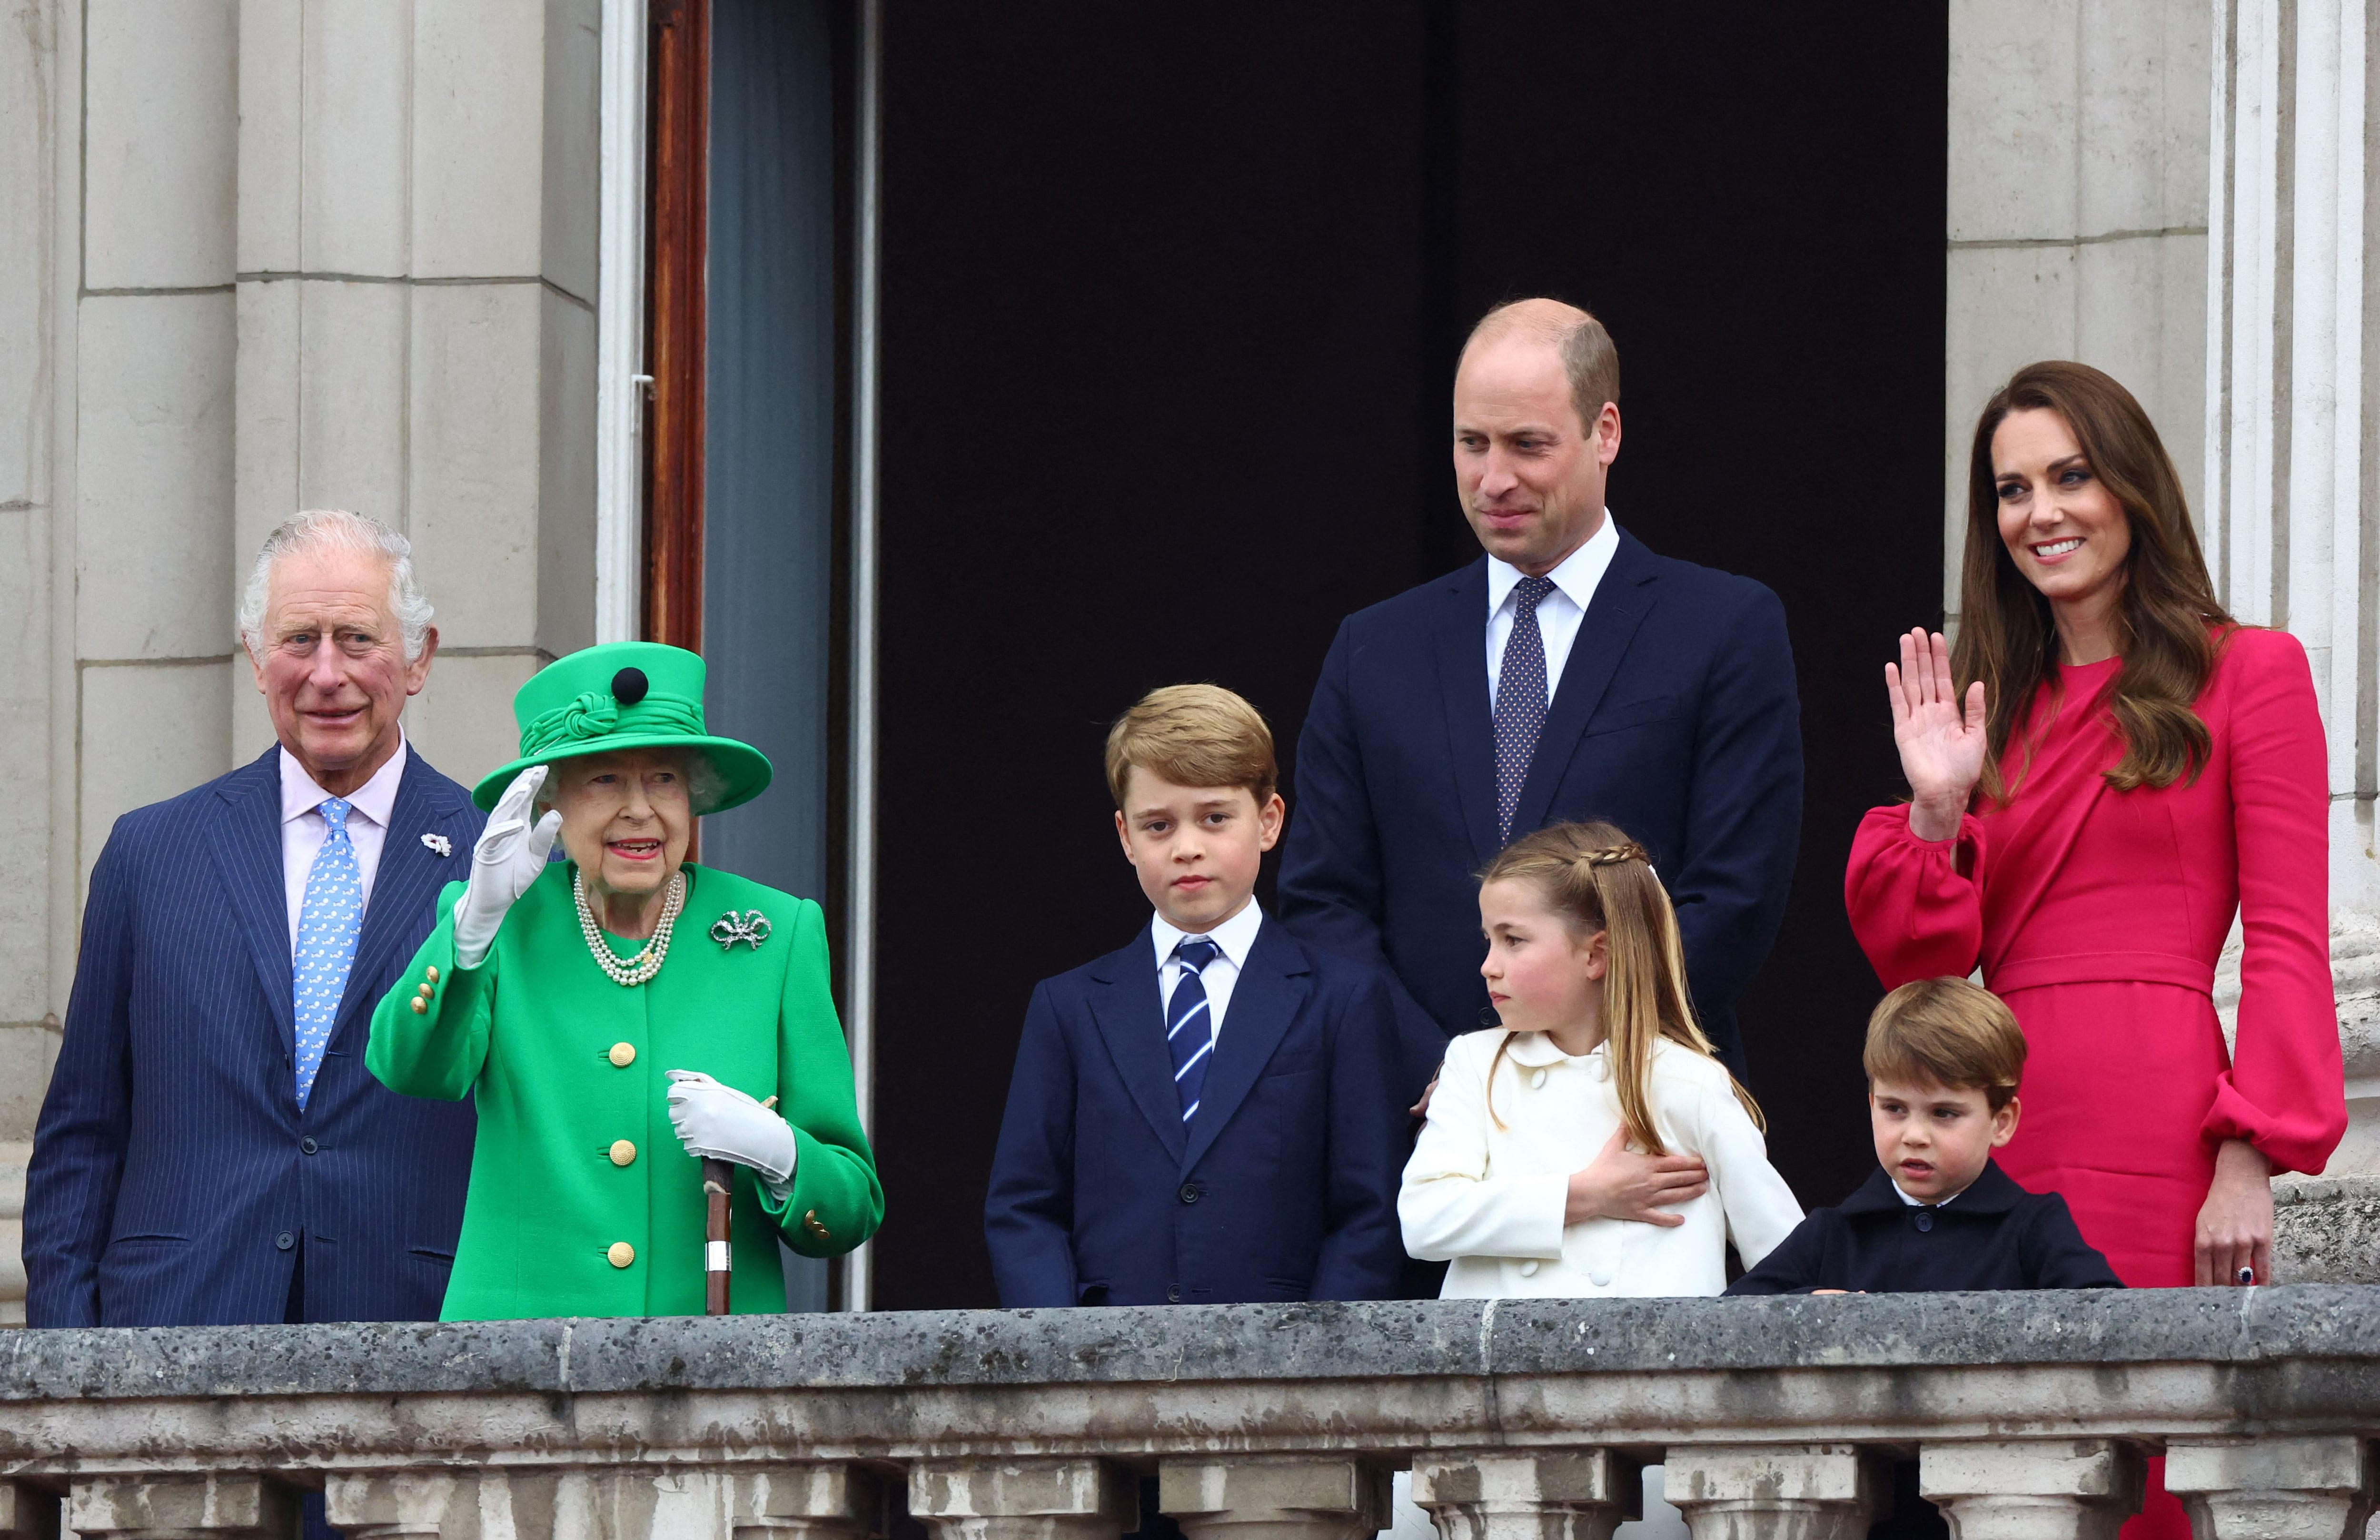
1592	1144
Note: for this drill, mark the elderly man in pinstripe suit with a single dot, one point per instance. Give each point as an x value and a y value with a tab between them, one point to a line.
212	1149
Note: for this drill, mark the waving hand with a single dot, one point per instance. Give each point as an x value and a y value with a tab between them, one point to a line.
1941	739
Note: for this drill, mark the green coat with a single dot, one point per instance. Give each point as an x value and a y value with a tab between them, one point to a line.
533	1034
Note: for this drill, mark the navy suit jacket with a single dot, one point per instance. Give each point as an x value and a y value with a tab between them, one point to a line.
1282	1188
1677	717
171	1159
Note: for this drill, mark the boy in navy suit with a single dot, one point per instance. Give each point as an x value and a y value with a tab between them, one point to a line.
1944	1056
1212	1114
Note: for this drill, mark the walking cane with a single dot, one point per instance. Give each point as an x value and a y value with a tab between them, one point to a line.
718	1256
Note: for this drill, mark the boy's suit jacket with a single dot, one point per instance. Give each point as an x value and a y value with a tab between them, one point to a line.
1994	1235
1283	1188
1676	718
171	1159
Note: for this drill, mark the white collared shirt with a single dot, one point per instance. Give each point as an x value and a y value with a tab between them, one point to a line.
1909	1202
1236	936
1558	613
303	826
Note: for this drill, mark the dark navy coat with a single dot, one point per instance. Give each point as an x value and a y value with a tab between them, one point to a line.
171	1160
1676	718
1283	1188
1994	1235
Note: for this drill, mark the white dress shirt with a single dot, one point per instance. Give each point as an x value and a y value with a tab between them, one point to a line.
303	826
1234	936
1558	613
1488	1194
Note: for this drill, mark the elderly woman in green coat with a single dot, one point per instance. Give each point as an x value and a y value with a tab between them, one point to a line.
620	1015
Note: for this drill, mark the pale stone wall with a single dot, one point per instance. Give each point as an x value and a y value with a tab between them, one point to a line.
259	255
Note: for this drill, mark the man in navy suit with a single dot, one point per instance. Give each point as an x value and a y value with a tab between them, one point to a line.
1568	674
212	1149
1210	1115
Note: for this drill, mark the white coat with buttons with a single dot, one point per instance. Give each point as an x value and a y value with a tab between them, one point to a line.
1490	1199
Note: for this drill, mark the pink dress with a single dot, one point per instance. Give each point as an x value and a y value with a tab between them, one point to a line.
2098	914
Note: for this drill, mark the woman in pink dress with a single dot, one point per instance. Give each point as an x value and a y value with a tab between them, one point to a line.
2106	770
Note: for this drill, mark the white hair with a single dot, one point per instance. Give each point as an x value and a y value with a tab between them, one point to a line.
338	530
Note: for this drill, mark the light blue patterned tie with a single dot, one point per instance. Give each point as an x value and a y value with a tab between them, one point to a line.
327	924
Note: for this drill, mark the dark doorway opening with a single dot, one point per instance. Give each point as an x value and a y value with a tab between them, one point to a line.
1171	307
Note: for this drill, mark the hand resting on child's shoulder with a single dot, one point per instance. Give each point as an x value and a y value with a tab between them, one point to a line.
1622	1184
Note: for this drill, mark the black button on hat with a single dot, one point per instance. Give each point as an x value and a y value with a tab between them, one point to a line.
629	687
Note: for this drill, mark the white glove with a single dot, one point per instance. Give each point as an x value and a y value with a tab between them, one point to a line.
720	1122
509	856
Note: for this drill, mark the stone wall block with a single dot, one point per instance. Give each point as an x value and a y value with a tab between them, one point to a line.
2007	306
1274	1497
1528	1495
2274	1488
271	133
149	732
462	721
352	398
415	1505
573	203
479	139
2081	1489
154	460
161	121
474	467
355	116
566	530
264	443
25	781
808	1502
1022	1499
2012	113
2123	292
1776	1492
239	1507
2142	124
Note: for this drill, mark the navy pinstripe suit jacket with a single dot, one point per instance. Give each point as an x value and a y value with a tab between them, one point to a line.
171	1159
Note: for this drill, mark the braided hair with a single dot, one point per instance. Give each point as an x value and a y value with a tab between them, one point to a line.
1596	877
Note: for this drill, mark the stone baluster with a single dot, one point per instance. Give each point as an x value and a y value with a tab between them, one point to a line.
806	1502
1528	1494
1274	1497
404	1505
27	1513
2318	1488
1023	1499
1777	1491
235	1506
2033	1490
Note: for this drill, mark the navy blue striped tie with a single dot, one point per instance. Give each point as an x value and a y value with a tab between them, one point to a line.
1189	1032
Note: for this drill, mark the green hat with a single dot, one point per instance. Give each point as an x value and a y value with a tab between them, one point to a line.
624	695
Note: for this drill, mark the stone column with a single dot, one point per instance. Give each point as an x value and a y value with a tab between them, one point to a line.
2274	1488
2033	1490
1023	1499
1777	1491
1528	1494
236	1507
805	1502
1274	1497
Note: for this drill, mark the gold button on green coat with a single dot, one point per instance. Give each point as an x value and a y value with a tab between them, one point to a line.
524	1033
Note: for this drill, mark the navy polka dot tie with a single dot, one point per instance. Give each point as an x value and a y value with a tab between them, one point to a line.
1189	1031
1520	700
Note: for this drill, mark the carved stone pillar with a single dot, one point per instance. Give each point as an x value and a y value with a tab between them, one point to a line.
1023	1499
1528	1494
236	1507
806	1502
1776	1491
2273	1488
1265	1498
2033	1490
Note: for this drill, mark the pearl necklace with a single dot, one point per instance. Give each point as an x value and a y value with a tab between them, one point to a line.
640	968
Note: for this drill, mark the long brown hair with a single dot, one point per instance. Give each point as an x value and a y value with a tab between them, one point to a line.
2162	619
1597	878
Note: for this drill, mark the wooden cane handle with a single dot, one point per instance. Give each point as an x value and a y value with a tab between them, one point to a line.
717	1185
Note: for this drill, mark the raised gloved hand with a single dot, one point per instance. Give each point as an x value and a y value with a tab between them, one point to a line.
509	856
720	1122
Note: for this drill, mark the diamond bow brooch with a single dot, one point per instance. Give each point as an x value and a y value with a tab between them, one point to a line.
731	928
438	844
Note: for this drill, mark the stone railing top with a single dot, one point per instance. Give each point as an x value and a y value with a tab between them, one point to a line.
1178	1344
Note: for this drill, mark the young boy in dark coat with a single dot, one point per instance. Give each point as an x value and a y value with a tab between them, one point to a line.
1944	1056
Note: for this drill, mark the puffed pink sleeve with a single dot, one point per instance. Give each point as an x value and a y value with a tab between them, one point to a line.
2285	1092
1916	905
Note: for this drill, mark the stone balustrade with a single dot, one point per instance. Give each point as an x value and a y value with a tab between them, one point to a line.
2029	1416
